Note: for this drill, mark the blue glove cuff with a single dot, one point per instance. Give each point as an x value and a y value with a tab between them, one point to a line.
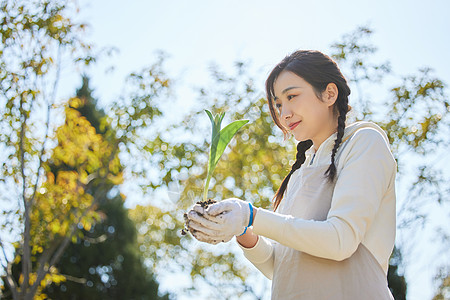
250	222
244	231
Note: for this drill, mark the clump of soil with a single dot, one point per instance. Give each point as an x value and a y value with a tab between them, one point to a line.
204	204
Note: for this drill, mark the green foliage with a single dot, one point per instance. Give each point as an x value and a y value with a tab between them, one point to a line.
104	262
35	37
52	202
219	141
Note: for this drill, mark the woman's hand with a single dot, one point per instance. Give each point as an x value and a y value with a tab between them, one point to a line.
201	225
222	220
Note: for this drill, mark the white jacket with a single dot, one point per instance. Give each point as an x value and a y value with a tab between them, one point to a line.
363	208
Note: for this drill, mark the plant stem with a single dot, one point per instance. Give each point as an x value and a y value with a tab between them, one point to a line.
205	192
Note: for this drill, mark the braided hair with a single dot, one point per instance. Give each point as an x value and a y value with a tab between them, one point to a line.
318	70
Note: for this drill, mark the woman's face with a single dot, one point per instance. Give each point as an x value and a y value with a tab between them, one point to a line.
301	112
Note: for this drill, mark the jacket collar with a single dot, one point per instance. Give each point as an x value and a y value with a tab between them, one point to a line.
327	146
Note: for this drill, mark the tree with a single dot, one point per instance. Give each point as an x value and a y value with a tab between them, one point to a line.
44	209
79	162
36	36
396	281
105	262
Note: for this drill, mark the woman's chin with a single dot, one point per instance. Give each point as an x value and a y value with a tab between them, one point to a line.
299	137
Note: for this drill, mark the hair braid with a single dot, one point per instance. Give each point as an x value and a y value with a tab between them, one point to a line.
300	159
343	109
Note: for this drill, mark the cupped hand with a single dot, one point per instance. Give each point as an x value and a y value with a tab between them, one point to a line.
205	229
223	219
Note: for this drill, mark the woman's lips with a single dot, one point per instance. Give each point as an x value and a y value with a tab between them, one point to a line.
293	125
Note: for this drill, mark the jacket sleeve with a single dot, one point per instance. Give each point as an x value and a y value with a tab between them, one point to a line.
366	175
261	255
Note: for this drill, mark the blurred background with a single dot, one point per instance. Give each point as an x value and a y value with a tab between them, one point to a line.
104	139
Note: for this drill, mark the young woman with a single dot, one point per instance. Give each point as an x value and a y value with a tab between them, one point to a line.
332	230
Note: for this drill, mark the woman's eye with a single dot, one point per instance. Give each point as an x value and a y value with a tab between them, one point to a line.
290	97
277	105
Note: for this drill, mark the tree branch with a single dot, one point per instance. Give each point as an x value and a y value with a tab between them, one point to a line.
75	279
47	123
26	254
9	278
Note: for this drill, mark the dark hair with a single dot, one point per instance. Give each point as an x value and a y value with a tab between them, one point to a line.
318	70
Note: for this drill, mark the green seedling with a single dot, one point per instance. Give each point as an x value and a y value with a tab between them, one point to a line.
219	141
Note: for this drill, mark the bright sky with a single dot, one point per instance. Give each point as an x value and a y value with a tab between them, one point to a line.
410	34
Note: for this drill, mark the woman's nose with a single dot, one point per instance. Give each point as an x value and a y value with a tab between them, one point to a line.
285	113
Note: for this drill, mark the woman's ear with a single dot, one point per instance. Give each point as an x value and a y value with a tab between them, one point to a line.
330	94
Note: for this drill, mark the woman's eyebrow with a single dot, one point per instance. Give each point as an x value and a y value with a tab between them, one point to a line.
287	89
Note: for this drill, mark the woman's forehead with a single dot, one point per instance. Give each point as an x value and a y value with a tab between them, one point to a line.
286	82
286	78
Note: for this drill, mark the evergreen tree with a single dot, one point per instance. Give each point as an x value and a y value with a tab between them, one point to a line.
396	281
105	262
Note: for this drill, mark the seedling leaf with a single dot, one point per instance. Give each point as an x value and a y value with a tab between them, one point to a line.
219	141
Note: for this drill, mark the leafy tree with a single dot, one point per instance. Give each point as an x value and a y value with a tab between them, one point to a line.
64	202
105	262
47	204
36	37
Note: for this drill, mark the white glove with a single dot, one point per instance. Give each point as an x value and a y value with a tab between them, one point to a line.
200	225
221	220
